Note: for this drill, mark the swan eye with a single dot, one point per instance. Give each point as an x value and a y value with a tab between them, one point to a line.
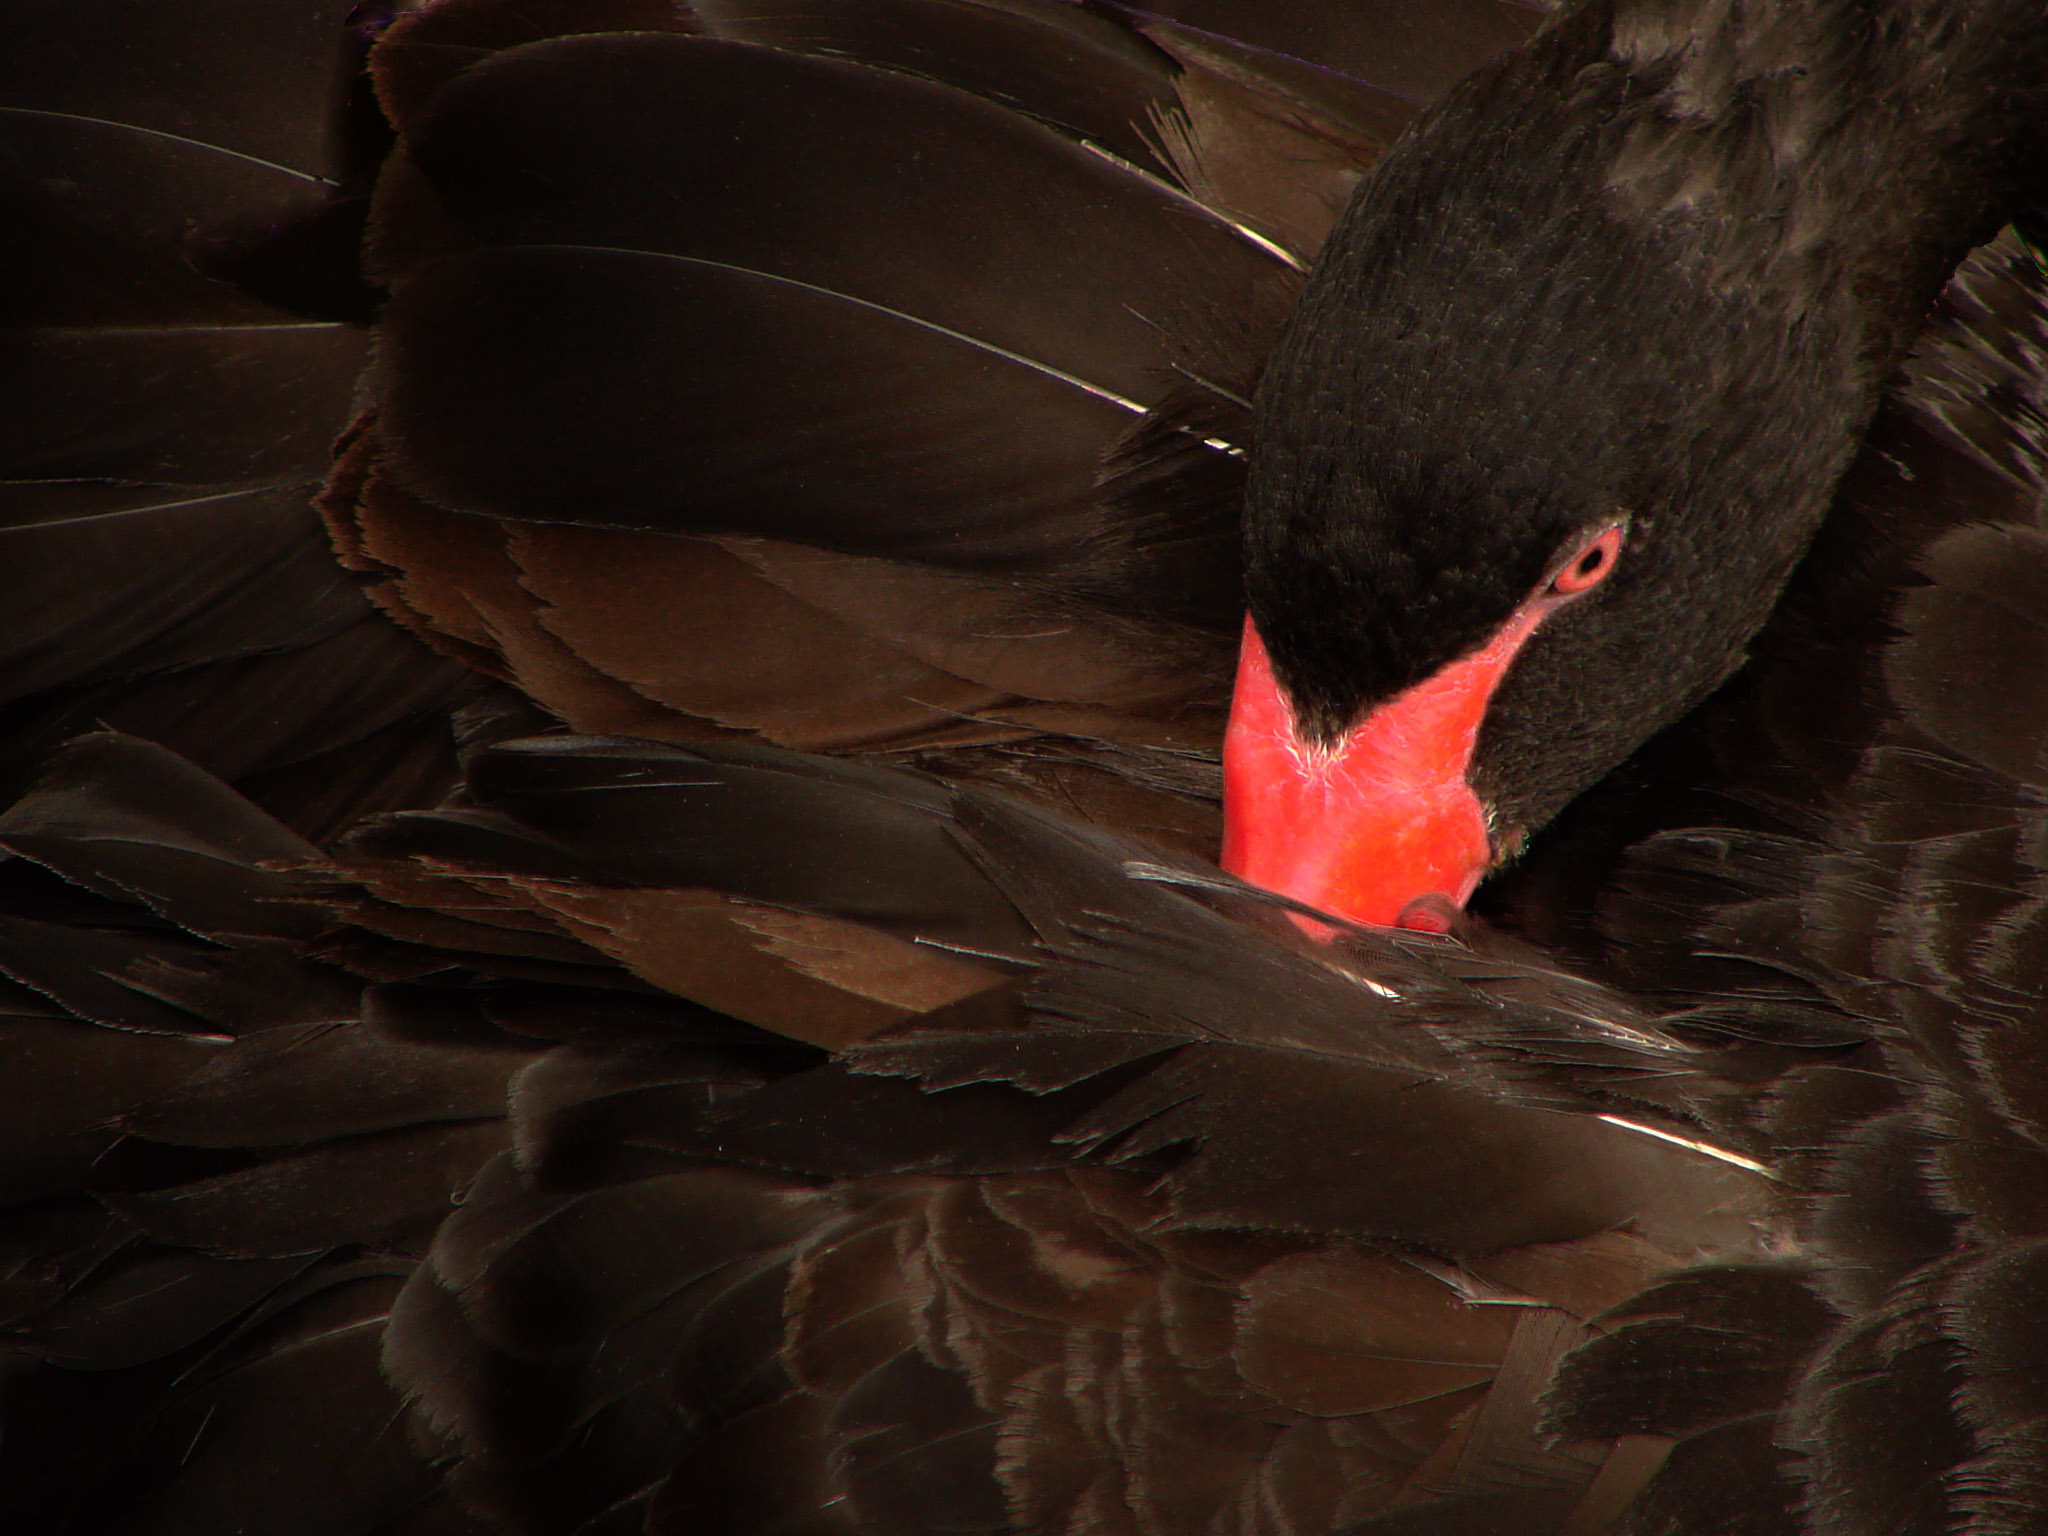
1590	565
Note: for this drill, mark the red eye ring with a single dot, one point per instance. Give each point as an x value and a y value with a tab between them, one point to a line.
1590	564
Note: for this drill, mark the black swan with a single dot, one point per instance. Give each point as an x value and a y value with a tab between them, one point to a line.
678	983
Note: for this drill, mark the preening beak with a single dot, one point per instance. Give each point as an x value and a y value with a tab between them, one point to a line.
1380	826
1372	825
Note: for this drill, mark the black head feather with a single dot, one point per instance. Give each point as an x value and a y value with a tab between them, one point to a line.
1641	271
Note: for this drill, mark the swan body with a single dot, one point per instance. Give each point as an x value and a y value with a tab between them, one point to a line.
653	964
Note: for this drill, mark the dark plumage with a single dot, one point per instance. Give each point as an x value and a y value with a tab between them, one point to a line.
694	999
1670	257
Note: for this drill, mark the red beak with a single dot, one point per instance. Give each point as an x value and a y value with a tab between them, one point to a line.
1380	827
